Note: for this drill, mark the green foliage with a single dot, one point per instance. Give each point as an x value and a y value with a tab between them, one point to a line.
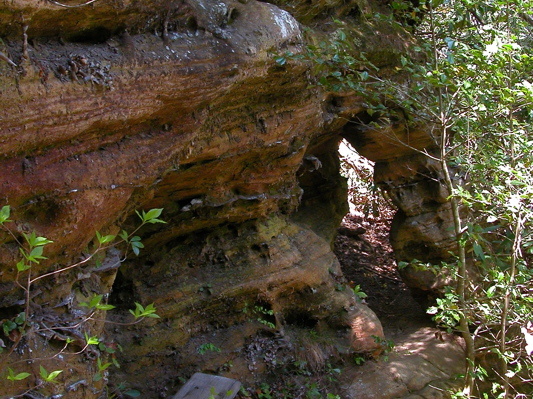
446	312
140	311
265	392
358	293
359	360
386	344
102	367
95	303
468	79
151	216
14	324
261	311
207	288
207	347
35	253
11	376
104	239
32	253
49	376
91	340
261	314
4	214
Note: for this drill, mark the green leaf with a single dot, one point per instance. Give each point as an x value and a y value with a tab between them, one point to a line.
102	366
91	340
21	318
36	241
136	244
104	239
35	254
105	306
402	264
4	214
152	214
16	377
280	60
478	250
8	326
22	266
133	393
53	375
140	311
95	301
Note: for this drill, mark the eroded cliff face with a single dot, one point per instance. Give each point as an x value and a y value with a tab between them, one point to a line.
127	105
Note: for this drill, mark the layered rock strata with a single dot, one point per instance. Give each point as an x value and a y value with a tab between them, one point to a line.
117	106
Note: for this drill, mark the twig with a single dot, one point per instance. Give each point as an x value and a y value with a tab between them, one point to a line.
7	59
25	55
67	6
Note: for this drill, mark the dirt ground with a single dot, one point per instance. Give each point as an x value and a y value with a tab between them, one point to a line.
422	361
366	257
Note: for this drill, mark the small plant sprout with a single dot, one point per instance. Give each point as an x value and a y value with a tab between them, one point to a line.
151	216
36	247
206	288
359	360
95	303
134	241
360	295
141	312
11	376
101	368
102	240
91	340
31	249
136	244
49	377
386	344
208	347
4	214
16	323
261	312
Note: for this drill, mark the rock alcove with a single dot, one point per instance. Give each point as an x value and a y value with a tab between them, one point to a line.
123	106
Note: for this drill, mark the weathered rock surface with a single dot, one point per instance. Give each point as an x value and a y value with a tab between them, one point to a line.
422	228
179	105
419	367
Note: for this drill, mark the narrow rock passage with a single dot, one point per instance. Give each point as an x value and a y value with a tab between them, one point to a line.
420	361
366	257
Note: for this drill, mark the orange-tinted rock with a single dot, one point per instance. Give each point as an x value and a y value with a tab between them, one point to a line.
179	105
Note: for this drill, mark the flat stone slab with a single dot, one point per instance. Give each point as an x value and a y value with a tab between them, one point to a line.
206	386
422	365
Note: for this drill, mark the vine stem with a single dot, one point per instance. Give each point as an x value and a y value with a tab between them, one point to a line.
462	275
507	302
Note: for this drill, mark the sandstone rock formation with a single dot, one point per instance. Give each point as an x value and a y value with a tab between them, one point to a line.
419	368
124	105
422	227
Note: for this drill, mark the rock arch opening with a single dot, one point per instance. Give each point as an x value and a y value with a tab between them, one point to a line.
363	245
